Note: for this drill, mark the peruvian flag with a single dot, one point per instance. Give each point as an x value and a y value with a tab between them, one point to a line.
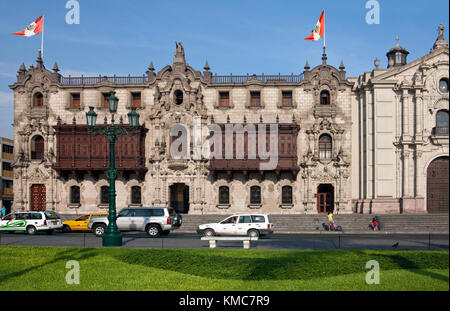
35	28
319	30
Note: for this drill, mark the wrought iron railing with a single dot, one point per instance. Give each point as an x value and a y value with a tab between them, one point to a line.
263	78
94	80
293	78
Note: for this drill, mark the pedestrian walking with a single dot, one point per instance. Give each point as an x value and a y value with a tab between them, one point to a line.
3	211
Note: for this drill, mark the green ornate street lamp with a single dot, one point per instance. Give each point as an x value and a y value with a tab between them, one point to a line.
112	236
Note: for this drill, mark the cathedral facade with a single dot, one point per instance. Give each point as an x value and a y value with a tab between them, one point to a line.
376	143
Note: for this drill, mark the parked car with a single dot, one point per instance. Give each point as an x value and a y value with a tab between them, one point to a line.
31	222
155	221
80	223
252	225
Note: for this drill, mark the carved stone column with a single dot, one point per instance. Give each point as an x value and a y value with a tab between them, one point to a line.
405	121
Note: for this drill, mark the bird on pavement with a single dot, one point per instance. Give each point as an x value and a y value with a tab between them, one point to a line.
395	245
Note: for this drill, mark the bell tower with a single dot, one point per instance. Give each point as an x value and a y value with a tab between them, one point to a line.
397	55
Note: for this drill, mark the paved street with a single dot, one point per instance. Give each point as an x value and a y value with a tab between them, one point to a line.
276	241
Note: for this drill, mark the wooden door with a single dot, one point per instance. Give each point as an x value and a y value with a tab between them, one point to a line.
437	186
37	197
325	199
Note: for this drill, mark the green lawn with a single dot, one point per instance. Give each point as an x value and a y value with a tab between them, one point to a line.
44	268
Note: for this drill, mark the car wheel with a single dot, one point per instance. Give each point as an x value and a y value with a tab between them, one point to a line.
153	230
66	229
49	232
209	232
99	229
31	230
253	233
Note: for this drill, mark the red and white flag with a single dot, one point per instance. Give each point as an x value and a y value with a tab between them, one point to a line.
34	28
319	30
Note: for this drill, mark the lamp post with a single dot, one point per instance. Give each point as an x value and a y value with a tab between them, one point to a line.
112	236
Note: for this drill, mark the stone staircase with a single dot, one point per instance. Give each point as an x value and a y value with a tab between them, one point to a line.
435	223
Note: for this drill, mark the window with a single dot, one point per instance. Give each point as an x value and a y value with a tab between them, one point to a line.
142	212
258	219
224	99
230	220
224	195
325	147
125	213
37	148
178	97
245	220
8	149
7	184
135	99
104	196
38	100
443	85
75	100
286	195
135	195
105	99
51	215
255	98
35	216
7	166
442	122
286	100
398	58
158	212
324	98
75	195
255	195
83	218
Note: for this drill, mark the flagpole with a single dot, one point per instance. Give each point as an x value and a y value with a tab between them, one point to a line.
42	39
324	32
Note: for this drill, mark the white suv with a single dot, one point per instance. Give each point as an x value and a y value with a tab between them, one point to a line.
241	224
31	222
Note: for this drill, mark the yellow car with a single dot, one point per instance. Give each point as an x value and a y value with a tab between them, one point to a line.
80	223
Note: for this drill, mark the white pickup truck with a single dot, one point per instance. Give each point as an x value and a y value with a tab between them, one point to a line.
252	225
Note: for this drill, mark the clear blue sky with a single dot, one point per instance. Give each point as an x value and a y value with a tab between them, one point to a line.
235	36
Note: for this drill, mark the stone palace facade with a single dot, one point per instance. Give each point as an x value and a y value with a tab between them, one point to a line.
377	143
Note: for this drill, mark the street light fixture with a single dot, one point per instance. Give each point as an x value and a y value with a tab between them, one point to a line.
112	236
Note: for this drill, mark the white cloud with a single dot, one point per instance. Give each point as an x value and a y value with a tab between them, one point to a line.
6	99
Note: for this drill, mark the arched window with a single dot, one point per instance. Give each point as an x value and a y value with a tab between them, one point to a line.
325	98
136	195
104	195
325	146
286	195
37	148
75	195
255	195
224	195
442	122
38	100
178	97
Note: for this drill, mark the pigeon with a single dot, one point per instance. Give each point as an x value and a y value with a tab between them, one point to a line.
395	245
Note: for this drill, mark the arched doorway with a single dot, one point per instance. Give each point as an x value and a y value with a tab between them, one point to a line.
325	198
437	186
179	198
